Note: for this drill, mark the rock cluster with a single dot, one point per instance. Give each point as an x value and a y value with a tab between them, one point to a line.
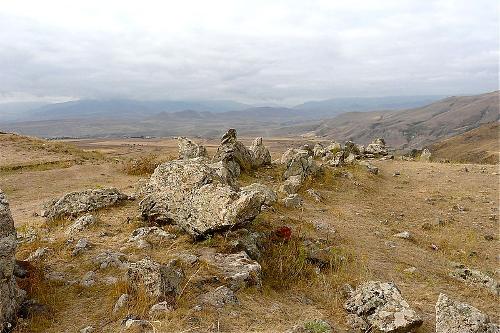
192	195
10	295
75	203
237	270
456	317
380	306
475	278
188	149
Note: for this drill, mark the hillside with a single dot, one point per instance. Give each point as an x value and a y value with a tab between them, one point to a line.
415	128
479	145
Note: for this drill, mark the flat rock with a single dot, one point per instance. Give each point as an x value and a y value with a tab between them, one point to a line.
475	278
237	269
219	297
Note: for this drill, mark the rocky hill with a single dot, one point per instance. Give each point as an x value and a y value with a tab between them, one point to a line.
231	236
415	128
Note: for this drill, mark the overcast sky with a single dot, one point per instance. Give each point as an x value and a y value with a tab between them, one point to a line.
251	51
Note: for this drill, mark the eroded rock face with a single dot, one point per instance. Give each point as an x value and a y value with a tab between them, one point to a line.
74	203
381	306
188	149
236	269
159	281
456	317
189	193
10	295
261	155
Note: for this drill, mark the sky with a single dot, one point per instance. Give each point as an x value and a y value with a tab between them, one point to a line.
258	51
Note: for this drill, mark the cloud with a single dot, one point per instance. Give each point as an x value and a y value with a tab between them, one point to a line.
250	51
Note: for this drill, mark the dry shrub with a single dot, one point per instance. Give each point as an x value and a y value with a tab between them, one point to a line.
144	165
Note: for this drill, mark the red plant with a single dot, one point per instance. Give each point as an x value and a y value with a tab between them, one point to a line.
284	233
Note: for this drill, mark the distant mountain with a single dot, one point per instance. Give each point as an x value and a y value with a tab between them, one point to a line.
363	104
416	127
15	111
479	145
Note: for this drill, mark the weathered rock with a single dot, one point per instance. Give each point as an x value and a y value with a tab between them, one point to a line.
139	326
152	235
82	245
319	150
111	259
291	185
337	160
456	317
425	155
189	149
268	195
300	164
81	224
219	297
10	295
88	329
159	281
236	269
121	302
75	203
89	279
190	194
260	154
231	149
377	147
371	168
245	240
314	194
404	235
160	310
382	307
292	201
38	254
475	278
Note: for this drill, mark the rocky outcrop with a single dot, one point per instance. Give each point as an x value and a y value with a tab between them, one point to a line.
380	306
188	149
160	282
10	295
261	155
81	224
456	317
299	163
191	194
377	147
231	150
475	278
75	203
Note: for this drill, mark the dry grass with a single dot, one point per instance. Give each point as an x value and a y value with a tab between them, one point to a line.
143	165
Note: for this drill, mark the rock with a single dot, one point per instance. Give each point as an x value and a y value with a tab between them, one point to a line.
319	150
38	254
382	307
88	329
237	269
377	147
371	168
188	149
10	295
88	279
337	159
404	235
110	259
260	154
81	224
75	203
82	245
187	258
121	302
410	270
231	149
160	310
159	281
244	240
152	235
268	195
191	195
139	325
219	297
292	201
314	194
425	155
475	278
456	317
291	185
300	164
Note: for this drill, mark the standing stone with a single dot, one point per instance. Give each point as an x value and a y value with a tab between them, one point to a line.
425	155
188	149
261	155
456	317
231	149
10	295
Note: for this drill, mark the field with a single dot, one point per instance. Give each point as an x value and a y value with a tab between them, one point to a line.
450	211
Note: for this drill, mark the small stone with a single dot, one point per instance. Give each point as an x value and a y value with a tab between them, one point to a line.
82	245
219	297
121	302
404	235
160	310
38	254
88	329
410	270
292	201
88	279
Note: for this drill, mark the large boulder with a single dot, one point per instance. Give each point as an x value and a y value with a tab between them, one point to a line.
74	203
377	147
261	155
298	163
230	149
380	306
10	295
268	195
192	195
456	317
189	149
